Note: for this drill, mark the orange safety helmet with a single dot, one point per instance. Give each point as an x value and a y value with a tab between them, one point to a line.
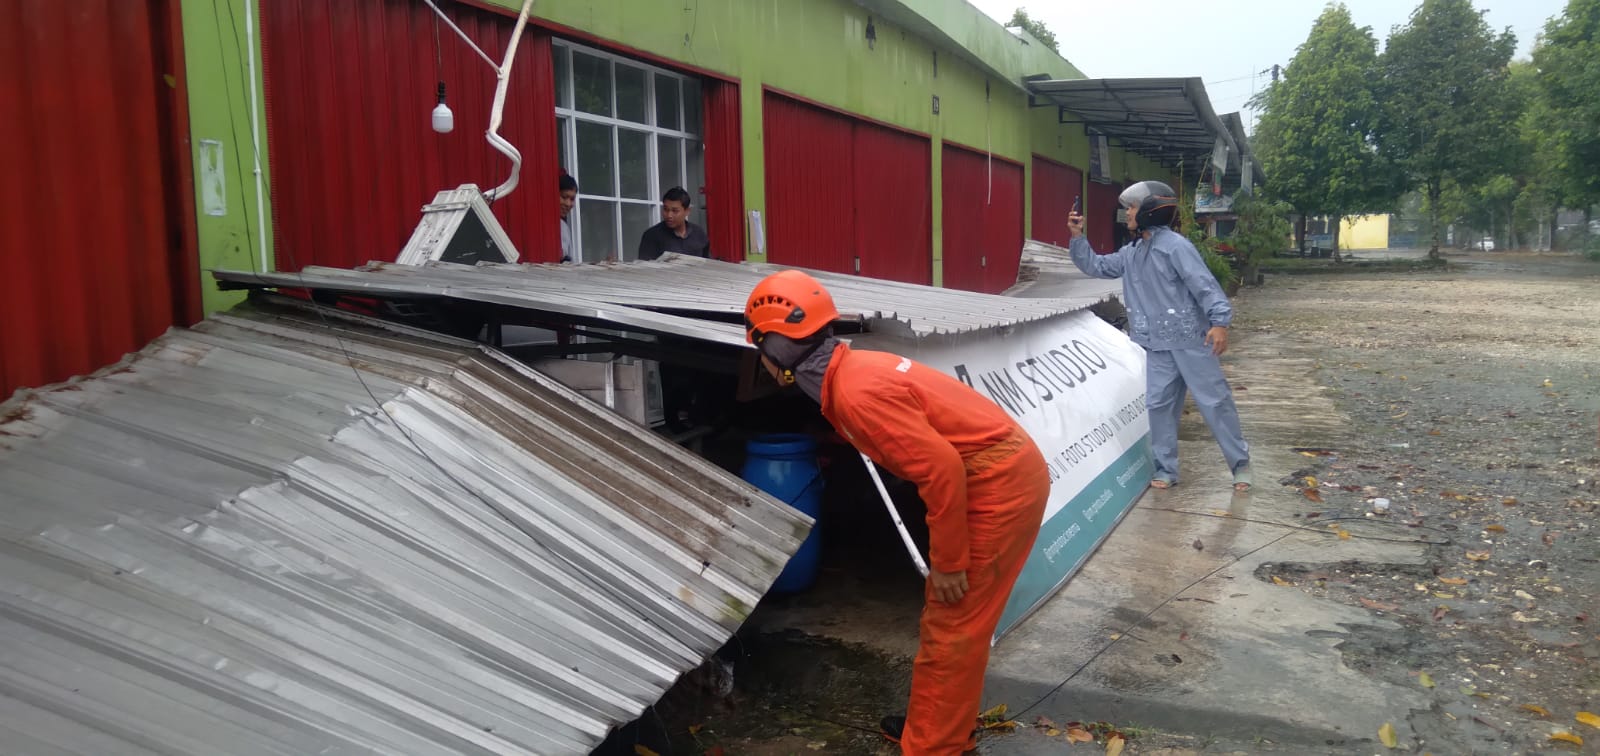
789	303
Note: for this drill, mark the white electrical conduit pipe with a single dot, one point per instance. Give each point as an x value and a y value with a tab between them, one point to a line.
255	133
503	76
894	514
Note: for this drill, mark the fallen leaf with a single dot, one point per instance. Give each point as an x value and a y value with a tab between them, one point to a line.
639	750
1311	482
1280	581
1453	581
1435	432
1439	612
1403	413
1313	514
817	745
1115	742
1479	556
994	715
1443	595
1509	501
1520	617
1547	383
1521	594
1044	722
1567	737
1532	709
1589	718
1386	734
695	729
1221	513
1427	682
1495	528
1312	494
1183	636
1344	535
1379	605
1198	545
1549	538
1079	735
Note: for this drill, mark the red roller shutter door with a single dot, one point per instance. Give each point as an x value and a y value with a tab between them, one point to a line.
349	86
840	187
97	249
982	217
1101	220
1055	186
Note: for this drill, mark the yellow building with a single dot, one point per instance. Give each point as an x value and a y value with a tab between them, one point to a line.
1364	232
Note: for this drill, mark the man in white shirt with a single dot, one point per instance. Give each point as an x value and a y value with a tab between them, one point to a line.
569	197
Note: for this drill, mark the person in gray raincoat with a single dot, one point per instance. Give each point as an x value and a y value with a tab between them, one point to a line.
1179	314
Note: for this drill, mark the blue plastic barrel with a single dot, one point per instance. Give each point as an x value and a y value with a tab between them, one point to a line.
785	466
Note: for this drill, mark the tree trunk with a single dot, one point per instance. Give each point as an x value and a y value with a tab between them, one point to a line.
1434	191
1338	220
1555	218
1300	234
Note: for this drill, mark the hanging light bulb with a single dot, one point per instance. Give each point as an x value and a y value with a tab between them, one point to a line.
444	121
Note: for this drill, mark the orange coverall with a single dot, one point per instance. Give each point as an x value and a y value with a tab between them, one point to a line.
985	485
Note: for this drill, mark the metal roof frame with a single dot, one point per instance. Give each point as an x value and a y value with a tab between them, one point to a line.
1167	120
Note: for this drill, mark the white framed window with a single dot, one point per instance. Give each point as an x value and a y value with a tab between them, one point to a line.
628	132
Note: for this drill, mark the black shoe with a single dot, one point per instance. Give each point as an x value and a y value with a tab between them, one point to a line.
892	728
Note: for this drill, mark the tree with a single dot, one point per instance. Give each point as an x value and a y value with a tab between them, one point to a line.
1036	28
1568	78
1261	231
1444	87
1316	134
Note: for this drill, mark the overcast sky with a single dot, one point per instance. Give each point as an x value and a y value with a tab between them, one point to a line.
1225	42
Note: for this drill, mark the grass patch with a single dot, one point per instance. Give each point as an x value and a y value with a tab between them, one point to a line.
1310	265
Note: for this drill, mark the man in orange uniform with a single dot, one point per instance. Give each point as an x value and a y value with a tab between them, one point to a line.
982	478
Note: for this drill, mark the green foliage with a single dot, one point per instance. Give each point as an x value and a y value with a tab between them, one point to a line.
1447	113
1221	268
1568	79
1263	228
1036	28
1316	138
1591	250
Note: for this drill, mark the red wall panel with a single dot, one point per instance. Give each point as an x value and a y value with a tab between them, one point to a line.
1055	186
1100	222
982	217
724	171
893	203
809	208
97	249
349	88
840	187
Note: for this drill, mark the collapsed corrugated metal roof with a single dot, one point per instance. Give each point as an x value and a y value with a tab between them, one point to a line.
652	296
1047	272
232	542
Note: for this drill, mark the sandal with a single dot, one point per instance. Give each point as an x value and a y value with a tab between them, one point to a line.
1163	482
1241	478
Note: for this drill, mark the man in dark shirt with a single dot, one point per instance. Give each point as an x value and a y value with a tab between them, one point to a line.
674	233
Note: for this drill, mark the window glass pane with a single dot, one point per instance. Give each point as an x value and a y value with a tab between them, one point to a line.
635	219
691	106
563	160
595	159
667	102
697	180
669	161
591	83
633	156
632	98
563	92
599	233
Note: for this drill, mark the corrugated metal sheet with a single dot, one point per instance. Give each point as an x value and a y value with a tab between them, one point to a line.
225	545
842	188
893	185
97	252
640	295
982	217
724	189
1100	221
349	88
810	215
1048	273
1055	186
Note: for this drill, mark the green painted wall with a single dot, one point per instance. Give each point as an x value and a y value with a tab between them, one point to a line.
215	62
812	48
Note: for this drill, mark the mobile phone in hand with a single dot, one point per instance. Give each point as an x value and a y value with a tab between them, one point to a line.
1076	203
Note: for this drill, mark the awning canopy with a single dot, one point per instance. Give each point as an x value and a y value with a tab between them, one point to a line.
1168	121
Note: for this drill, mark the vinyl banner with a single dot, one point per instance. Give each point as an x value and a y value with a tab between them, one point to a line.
1077	386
